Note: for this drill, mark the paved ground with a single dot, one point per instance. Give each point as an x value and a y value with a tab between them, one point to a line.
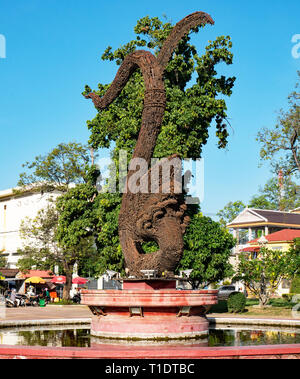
46	313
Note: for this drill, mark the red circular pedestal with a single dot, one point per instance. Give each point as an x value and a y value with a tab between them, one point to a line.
145	311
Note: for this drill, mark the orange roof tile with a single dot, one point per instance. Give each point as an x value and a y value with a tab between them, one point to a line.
282	235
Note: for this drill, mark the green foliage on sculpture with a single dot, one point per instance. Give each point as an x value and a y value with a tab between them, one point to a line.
207	250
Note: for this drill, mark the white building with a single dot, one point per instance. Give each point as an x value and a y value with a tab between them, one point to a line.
13	209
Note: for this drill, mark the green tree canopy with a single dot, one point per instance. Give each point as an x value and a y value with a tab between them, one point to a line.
42	249
66	164
271	196
264	274
62	233
281	144
3	260
230	211
207	250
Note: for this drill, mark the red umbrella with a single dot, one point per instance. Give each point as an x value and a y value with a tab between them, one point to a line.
58	279
79	280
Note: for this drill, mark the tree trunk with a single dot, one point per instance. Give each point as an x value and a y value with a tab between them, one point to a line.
68	285
263	293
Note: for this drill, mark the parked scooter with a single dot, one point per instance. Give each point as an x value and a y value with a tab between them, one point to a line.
77	298
33	301
21	300
10	303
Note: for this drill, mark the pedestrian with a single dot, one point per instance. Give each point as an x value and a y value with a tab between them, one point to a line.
53	296
47	295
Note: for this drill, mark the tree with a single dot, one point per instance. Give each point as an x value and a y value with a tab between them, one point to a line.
43	250
190	108
283	141
264	274
3	260
230	212
62	233
195	99
272	196
207	250
64	165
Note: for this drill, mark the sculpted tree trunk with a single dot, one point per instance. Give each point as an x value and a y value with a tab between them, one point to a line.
147	216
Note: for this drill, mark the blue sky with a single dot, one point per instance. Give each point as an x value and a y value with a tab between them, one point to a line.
53	48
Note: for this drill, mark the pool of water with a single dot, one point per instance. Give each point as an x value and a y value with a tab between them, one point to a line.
79	336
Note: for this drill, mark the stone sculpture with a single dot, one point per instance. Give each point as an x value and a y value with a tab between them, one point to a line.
150	216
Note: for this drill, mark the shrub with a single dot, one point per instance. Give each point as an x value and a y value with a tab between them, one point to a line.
220	307
236	302
295	287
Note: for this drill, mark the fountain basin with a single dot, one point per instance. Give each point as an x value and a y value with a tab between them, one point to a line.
149	309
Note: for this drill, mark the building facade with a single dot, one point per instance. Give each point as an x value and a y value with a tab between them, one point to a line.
14	208
279	229
254	223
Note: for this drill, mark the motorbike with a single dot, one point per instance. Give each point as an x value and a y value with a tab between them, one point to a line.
10	303
76	298
33	301
21	300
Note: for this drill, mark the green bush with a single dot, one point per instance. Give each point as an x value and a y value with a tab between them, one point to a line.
290	296
295	287
236	302
220	307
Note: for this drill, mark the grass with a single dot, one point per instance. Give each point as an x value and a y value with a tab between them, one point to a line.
276	308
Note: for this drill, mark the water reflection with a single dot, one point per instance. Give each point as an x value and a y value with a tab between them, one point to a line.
250	337
66	336
72	336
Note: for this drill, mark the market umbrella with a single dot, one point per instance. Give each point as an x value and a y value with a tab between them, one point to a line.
35	279
61	279
79	280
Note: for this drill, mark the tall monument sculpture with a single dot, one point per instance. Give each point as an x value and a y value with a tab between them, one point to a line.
150	216
150	308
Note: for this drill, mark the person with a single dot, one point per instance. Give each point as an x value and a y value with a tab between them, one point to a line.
47	295
30	291
13	295
7	293
53	296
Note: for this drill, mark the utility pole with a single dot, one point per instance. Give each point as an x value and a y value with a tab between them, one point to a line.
281	188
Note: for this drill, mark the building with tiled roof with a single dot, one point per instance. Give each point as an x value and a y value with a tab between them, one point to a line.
253	223
284	235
